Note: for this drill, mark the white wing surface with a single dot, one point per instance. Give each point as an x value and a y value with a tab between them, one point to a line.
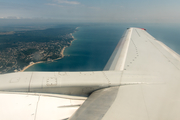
150	81
152	72
141	81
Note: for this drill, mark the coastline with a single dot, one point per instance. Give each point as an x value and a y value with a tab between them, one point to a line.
62	53
30	65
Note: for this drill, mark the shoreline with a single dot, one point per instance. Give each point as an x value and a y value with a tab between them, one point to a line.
30	65
62	53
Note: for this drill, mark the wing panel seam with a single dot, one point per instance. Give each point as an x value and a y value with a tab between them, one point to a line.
29	88
163	54
144	102
36	108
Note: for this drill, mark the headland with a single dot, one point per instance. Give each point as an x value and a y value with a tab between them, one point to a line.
26	48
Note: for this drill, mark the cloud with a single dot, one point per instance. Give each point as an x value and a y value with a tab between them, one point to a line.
52	4
11	17
95	8
59	3
68	2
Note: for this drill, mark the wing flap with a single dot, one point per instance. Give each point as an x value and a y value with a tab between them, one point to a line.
129	105
158	101
96	106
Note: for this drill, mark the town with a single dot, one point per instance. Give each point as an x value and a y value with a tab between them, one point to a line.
22	53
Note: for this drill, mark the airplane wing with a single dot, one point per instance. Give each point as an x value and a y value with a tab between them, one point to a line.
141	81
149	84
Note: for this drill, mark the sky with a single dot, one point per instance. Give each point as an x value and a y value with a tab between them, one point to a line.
112	11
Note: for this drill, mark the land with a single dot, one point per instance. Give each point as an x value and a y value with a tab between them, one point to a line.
22	49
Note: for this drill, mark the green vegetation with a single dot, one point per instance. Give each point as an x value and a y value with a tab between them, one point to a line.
29	51
17	50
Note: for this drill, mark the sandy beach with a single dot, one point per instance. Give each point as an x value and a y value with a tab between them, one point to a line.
62	53
30	65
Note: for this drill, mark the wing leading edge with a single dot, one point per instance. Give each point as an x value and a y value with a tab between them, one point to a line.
117	59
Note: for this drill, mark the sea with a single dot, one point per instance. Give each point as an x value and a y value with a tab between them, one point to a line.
94	44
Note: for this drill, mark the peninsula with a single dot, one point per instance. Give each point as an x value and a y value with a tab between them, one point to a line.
22	49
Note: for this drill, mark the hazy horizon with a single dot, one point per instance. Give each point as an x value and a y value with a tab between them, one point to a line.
80	11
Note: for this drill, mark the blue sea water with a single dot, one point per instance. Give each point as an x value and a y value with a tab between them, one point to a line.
95	43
